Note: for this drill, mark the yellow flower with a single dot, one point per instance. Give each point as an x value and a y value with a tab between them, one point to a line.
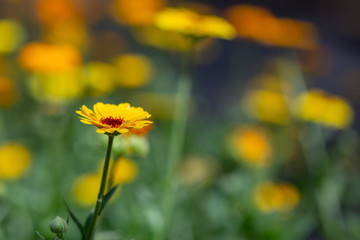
86	189
100	77
123	171
133	70
12	35
268	106
276	197
15	159
56	87
114	119
198	170
49	58
8	92
322	107
251	145
188	22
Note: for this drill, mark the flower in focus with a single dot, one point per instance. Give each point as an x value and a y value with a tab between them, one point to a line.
12	35
251	145
123	171
49	58
188	22
8	92
114	119
137	12
324	108
267	105
15	159
86	188
133	70
272	197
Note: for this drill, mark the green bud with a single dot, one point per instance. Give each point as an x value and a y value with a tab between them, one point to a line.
139	145
58	226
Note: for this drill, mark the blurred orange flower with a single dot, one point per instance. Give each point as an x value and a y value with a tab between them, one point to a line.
276	197
137	12
324	108
49	58
52	11
251	145
259	24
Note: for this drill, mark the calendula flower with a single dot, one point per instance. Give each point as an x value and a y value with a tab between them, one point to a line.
275	197
250	145
86	188
15	159
188	22
124	171
324	108
114	119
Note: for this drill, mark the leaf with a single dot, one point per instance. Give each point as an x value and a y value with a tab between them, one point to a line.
107	197
74	218
40	236
88	221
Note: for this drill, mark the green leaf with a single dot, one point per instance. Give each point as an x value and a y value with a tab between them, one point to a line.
40	236
88	221
77	222
107	197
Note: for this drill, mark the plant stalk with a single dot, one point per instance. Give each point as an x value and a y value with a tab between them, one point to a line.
90	233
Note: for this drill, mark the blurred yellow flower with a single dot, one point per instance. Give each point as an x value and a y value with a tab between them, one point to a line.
56	87
123	171
12	35
15	159
8	92
49	58
272	197
100	77
137	12
324	108
133	70
160	105
114	119
261	25
86	189
198	169
268	106
188	22
251	145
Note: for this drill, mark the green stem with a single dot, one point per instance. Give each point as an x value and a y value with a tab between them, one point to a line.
182	103
90	233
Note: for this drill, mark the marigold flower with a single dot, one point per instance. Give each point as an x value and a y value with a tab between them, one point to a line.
324	108
251	145
268	106
276	197
133	70
188	22
114	119
123	171
49	58
15	159
12	35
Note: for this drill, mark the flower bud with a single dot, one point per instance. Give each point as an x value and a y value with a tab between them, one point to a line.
58	226
139	145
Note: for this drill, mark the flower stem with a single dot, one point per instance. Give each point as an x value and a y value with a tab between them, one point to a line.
90	233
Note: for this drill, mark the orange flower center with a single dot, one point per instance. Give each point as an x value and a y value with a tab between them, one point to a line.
113	122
